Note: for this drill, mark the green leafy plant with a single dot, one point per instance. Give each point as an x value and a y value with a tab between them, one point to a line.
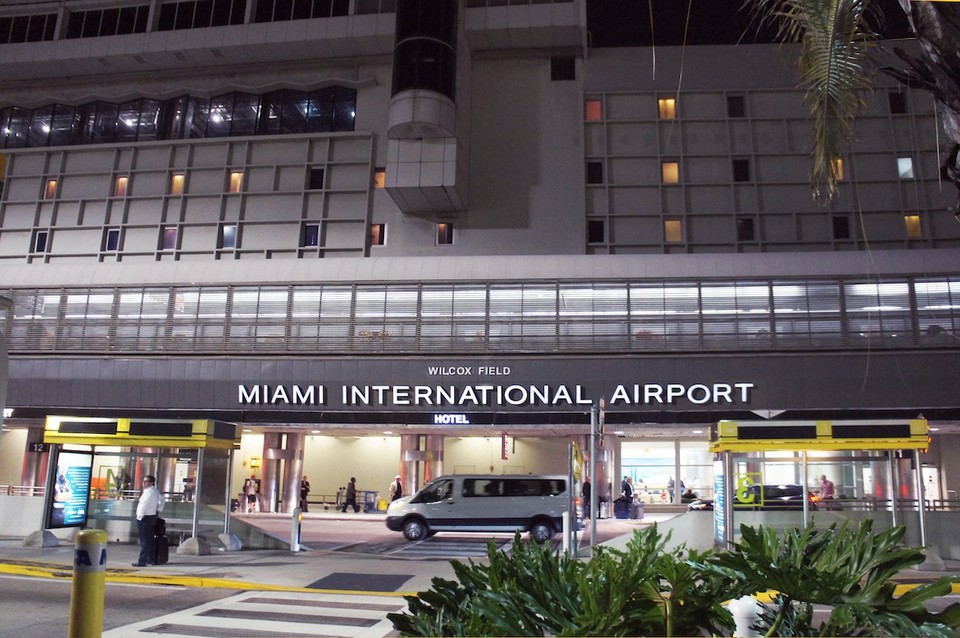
848	569
533	591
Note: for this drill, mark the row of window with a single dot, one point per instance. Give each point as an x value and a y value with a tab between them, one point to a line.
173	16
739	168
536	316
736	106
123	186
228	237
282	112
746	229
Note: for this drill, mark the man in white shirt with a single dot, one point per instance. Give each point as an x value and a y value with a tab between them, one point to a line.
148	509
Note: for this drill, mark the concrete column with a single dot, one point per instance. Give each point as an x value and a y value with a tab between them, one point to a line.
270	472
292	471
433	465
409	462
167	474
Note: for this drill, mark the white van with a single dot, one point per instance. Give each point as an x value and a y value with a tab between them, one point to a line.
483	503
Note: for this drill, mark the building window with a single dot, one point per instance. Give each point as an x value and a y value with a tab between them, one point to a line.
378	234
841	227
838	169
594	172
310	235
563	68
444	233
670	171
315	179
593	110
120	188
176	184
672	230
736	106
168	238
741	170
51	190
898	102
236	181
111	240
667	108
912	225
380	177
745	229
905	167
228	236
40	241
596	231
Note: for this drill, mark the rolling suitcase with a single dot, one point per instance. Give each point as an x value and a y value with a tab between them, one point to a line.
163	550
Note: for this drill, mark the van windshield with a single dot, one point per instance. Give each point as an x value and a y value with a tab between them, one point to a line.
434	492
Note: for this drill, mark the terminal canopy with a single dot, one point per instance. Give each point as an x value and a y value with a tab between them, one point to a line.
750	436
200	433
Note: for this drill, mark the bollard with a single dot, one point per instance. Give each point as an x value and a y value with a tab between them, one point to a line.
89	581
295	530
745	611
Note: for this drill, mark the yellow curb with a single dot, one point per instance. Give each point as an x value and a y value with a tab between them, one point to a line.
39	570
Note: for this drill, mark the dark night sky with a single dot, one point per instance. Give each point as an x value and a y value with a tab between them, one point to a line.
627	22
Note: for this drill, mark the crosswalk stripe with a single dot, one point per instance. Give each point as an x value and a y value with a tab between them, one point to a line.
272	614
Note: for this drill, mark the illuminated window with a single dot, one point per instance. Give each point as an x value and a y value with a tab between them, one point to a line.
672	230
176	184
838	168
912	226
378	234
51	191
236	181
380	178
593	110
228	236
111	240
905	167
444	234
120	188
668	108
168	238
670	172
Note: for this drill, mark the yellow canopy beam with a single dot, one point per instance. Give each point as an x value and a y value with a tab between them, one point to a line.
754	436
171	433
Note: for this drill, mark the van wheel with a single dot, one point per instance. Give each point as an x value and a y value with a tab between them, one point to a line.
541	532
415	529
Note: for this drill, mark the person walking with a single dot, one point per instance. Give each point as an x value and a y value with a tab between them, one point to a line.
396	488
251	488
827	488
148	510
351	498
585	495
304	492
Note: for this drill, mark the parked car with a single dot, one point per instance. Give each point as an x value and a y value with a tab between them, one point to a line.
766	497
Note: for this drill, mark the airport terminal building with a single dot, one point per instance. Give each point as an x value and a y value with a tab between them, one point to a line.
401	236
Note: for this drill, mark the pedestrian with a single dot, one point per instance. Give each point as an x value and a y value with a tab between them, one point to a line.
671	484
827	488
351	497
148	510
396	488
304	492
251	488
585	495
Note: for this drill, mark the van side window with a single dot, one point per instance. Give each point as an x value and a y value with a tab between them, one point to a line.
435	492
482	487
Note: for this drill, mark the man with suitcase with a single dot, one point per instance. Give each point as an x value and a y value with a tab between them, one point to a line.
148	510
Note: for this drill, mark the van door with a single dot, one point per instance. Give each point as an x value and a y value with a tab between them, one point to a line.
438	504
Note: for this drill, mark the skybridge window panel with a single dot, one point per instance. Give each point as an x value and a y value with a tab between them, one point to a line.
128	122
305	302
371	302
212	303
148	128
436	302
198	116
64	125
469	301
401	302
293	116
344	109
40	122
271	112
320	111
245	304
539	301
506	301
245	114
599	301
938	308
220	117
683	299
337	303
718	299
105	123
272	304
